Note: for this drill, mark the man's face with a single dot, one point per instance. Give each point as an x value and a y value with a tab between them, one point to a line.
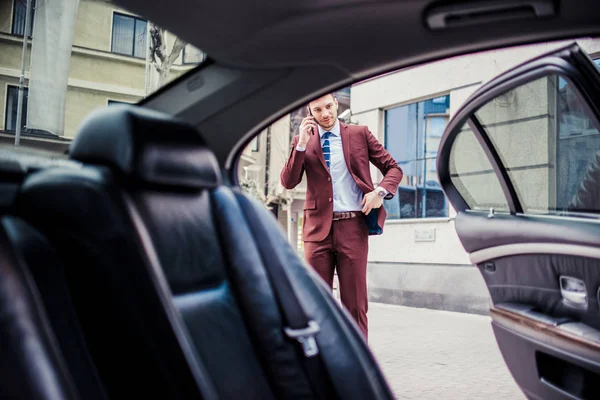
324	110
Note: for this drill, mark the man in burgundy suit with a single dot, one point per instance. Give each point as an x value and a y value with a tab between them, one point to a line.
342	206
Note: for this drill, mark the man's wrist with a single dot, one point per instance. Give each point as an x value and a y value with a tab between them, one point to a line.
299	147
381	192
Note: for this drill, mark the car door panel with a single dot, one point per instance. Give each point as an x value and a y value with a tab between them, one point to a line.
534	279
510	163
546	366
533	323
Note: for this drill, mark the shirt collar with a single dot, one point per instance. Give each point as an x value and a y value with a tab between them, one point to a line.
334	131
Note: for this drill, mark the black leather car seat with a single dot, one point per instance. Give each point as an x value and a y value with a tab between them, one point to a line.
31	363
52	349
46	270
130	325
151	218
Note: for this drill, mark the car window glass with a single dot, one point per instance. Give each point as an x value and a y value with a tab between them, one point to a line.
472	174
547	142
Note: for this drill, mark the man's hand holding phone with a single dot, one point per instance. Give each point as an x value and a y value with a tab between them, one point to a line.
307	128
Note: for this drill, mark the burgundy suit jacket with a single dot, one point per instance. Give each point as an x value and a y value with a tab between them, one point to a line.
360	147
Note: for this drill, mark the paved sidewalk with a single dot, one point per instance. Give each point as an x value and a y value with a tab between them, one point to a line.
428	354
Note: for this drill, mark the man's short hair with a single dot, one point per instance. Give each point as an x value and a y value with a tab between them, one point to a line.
332	94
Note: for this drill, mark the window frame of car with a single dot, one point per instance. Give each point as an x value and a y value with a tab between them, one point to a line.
555	63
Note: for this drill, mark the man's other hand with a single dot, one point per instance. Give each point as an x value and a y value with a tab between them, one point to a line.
370	201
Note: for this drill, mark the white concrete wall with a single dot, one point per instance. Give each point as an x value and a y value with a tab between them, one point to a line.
458	77
398	244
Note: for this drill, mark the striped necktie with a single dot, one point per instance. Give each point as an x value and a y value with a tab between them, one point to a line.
326	150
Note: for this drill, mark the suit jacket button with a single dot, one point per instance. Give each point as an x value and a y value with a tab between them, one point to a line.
330	199
328	179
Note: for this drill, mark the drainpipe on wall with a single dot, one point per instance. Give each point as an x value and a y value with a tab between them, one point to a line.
22	75
147	66
424	196
267	160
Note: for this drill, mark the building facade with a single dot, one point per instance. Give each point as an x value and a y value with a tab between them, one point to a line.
107	65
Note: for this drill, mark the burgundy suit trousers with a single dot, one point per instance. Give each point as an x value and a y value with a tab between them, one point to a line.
345	249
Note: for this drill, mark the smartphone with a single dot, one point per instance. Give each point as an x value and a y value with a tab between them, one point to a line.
310	113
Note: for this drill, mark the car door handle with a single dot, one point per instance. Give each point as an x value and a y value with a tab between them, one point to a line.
573	292
574	297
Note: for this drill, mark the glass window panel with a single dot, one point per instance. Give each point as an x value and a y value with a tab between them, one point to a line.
392	208
429	190
407	202
434	200
473	176
10	120
439	105
436	127
577	154
123	33
520	126
422	172
547	141
19	13
412	173
401	132
430	177
404	204
430	136
140	38
413	137
420	189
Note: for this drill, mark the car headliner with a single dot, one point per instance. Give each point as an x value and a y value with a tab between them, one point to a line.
268	57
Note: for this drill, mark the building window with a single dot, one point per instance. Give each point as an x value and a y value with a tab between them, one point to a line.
412	136
10	115
19	12
254	144
192	55
129	36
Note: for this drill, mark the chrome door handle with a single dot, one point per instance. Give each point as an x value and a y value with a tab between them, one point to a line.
573	292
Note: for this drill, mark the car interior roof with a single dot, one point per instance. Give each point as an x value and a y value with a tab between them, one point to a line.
270	57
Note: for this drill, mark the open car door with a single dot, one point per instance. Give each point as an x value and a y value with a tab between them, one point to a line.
520	163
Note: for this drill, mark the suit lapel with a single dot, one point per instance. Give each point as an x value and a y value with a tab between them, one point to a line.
314	145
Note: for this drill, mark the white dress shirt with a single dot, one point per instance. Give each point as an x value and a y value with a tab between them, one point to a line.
347	196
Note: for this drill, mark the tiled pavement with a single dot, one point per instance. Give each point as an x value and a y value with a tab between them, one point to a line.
428	354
